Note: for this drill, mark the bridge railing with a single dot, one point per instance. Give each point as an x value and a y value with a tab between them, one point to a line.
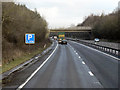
109	50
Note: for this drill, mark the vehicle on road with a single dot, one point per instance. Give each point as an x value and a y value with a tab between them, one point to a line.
61	37
64	42
96	40
59	41
55	37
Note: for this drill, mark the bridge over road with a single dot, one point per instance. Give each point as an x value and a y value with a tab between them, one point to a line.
83	32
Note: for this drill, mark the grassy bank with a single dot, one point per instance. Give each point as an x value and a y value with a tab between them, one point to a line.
17	20
23	58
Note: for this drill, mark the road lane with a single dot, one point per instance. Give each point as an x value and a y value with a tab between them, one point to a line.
104	67
64	70
21	76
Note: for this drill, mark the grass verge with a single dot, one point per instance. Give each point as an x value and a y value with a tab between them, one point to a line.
22	59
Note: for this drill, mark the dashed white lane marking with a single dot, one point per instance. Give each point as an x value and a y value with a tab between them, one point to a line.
83	62
74	51
97	50
97	83
91	74
21	86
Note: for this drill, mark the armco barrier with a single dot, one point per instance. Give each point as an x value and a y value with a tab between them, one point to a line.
109	50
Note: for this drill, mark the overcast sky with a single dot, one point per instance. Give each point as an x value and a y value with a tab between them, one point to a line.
63	13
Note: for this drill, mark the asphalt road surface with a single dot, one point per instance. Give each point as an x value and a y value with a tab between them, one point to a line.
104	66
74	66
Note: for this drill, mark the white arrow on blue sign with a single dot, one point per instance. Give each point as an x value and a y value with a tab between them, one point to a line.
30	38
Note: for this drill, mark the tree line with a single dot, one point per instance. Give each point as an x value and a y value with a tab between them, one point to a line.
17	20
104	26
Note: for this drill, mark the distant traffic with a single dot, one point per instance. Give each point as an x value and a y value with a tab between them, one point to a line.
60	38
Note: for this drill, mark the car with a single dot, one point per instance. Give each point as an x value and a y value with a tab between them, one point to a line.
59	41
55	37
64	42
96	40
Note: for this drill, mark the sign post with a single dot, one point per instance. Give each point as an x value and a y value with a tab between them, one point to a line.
29	39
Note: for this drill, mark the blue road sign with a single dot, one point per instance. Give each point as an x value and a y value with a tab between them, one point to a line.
30	38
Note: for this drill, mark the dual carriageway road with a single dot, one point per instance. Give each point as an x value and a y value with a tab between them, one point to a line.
74	66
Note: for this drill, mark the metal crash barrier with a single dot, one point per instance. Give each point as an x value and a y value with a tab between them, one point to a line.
109	50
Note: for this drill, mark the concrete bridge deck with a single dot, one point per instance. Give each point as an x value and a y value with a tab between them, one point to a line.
73	29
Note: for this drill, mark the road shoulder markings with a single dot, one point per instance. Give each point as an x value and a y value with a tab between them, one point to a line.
29	78
96	50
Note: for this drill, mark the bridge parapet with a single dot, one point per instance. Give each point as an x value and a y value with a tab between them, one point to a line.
80	28
73	29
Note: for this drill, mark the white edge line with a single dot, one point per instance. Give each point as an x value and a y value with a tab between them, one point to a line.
98	51
22	85
91	74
